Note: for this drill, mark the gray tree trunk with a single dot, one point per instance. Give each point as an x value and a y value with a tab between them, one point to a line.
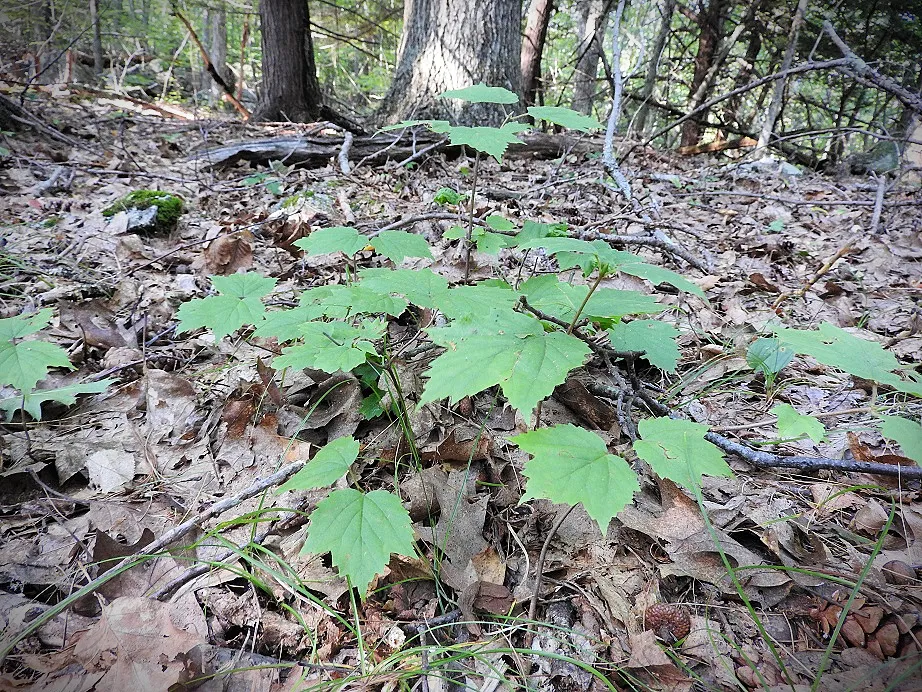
590	29
666	10
539	16
451	44
97	37
217	51
774	108
290	90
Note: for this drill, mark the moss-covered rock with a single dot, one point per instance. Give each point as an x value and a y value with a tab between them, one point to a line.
169	208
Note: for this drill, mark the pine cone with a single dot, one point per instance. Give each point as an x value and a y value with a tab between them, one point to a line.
670	622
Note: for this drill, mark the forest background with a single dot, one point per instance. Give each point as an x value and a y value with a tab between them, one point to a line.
251	247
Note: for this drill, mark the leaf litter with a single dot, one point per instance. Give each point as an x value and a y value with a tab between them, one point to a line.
193	421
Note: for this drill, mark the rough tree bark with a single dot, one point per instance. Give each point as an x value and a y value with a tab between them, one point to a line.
710	31
290	90
451	44
774	108
667	8
216	18
97	36
590	28
539	16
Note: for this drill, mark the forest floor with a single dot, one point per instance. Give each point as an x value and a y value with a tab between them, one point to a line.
191	422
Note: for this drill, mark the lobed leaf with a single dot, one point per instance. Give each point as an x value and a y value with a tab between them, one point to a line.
325	241
906	433
793	425
24	363
327	466
655	339
398	245
481	93
331	346
32	401
565	117
676	449
360	531
572	465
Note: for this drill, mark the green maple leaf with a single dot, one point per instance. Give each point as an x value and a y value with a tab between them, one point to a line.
398	245
285	325
32	401
237	304
488	140
481	93
325	241
655	339
564	117
768	356
24	325
676	449
499	223
906	433
572	465
24	363
360	531
504	348
597	254
793	425
327	466
345	301
561	300
475	300
837	348
331	346
421	287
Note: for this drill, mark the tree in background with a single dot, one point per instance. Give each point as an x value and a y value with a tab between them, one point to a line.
451	45
590	28
539	16
710	18
290	89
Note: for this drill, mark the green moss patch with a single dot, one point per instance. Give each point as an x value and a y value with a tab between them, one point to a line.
169	207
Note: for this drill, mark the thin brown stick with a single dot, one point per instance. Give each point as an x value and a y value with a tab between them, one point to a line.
539	573
209	66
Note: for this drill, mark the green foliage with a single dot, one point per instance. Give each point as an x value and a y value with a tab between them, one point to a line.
793	425
906	433
360	531
331	346
237	303
169	206
395	245
656	340
561	300
676	449
487	140
505	348
23	363
768	356
564	117
327	466
572	465
448	196
481	93
837	348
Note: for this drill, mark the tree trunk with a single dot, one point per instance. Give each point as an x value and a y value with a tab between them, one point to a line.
774	108
710	23
451	44
290	90
666	10
217	51
97	37
590	29
539	16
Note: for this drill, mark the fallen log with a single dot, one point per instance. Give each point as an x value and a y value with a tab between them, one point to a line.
377	149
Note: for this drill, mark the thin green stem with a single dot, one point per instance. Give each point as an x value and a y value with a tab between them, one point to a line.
470	221
585	300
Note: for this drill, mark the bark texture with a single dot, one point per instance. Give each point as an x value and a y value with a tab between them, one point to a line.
710	31
539	16
290	90
451	44
590	26
667	8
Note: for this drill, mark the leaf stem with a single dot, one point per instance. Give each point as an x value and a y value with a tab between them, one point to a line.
585	300
470	222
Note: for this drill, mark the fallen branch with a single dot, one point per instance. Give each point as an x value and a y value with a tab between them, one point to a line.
154	549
